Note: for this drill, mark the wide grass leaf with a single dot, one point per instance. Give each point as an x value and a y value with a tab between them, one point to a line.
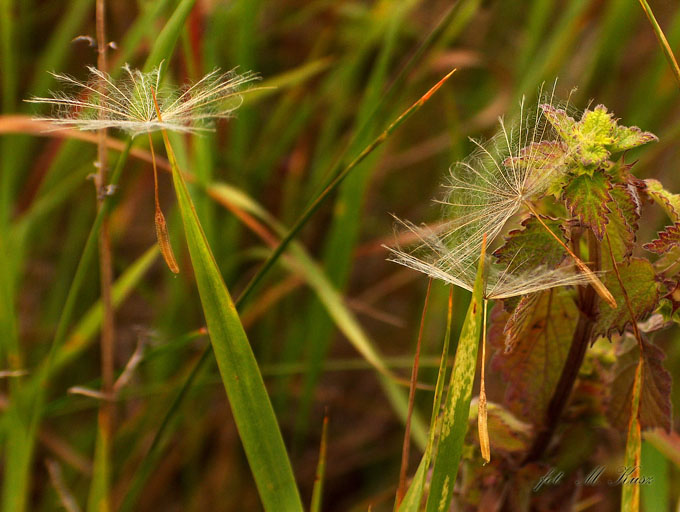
250	404
454	421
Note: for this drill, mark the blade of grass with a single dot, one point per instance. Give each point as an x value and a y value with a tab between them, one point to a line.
314	206
250	404
25	408
146	466
663	42
655	464
165	43
401	489
317	491
414	496
630	493
454	419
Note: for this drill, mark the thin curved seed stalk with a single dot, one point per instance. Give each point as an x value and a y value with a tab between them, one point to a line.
159	220
599	287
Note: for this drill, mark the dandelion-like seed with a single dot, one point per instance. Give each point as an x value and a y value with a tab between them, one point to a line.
138	103
127	103
483	193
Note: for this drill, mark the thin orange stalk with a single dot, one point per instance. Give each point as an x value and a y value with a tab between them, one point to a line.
159	219
401	490
600	288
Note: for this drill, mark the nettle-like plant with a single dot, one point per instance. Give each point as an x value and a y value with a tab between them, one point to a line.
577	299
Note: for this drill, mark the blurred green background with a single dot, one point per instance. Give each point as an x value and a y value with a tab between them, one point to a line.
333	65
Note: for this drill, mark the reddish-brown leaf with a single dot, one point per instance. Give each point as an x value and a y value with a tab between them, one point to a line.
655	400
542	331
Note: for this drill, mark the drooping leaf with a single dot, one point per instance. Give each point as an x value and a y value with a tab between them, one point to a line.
587	198
506	432
542	332
655	400
668	201
623	220
667	239
642	288
532	246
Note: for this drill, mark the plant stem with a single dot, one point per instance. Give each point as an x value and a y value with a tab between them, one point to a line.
108	332
579	343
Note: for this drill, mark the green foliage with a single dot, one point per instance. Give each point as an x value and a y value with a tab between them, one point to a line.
453	423
587	198
641	288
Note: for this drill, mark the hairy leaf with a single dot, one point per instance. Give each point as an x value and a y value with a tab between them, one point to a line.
623	220
668	201
642	288
594	133
532	246
630	137
655	400
587	198
564	124
667	240
543	329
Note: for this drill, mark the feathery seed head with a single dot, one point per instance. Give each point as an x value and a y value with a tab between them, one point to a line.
483	193
127	103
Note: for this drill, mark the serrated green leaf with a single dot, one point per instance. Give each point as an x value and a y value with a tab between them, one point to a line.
642	288
629	137
668	201
563	124
541	329
593	134
667	239
532	246
454	419
623	220
587	197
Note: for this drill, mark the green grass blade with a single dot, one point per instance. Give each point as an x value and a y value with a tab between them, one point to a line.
250	404
317	491
414	495
167	39
655	465
26	409
630	493
454	420
661	37
314	206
